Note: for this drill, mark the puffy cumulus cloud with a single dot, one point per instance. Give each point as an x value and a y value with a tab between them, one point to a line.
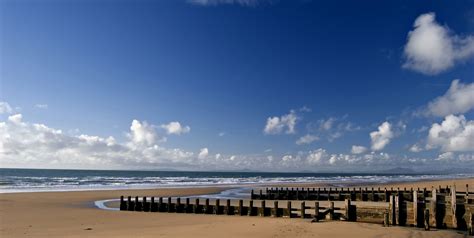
5	108
24	144
246	3
276	125
175	128
316	156
432	48
358	149
382	136
142	134
203	153
458	99
455	133
307	139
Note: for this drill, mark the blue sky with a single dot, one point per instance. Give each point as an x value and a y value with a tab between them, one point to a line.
265	85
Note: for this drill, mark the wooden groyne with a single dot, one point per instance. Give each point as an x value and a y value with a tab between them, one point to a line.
355	194
436	208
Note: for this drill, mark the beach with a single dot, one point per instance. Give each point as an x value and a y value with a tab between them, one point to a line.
73	214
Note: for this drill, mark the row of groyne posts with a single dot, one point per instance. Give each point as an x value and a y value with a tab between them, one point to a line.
441	208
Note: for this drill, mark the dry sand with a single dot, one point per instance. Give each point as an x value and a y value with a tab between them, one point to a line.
72	214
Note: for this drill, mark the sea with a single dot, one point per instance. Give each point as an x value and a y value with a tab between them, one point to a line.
38	180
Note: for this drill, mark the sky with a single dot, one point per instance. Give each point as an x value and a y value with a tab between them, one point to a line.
264	85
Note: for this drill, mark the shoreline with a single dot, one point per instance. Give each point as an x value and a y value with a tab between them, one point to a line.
349	184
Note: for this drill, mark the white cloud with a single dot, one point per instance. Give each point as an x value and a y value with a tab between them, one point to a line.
5	108
382	136
307	139
455	133
175	128
141	133
357	149
24	144
416	148
458	99
446	156
432	48
247	3
316	156
203	153
276	125
327	124
42	106
221	134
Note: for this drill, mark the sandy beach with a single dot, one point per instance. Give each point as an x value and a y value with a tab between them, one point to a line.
72	214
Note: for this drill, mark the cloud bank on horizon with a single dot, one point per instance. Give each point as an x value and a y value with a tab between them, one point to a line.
37	145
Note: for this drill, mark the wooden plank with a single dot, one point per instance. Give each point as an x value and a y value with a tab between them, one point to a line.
453	206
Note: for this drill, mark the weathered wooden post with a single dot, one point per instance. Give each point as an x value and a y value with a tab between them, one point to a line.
347	205
427	219
275	209
217	207
415	209
252	195
188	208
250	212
207	207
303	210
329	194
319	190
316	211
453	206
297	194
170	205
138	204
145	205
340	194
470	224
373	195
433	206
393	217
387	198
401	214
197	206
307	193
178	205
262	208
130	204
467	191
331	211
229	209
287	193
288	204
241	207
160	204
123	205
153	207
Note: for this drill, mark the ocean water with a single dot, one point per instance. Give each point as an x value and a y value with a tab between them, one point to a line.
28	180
